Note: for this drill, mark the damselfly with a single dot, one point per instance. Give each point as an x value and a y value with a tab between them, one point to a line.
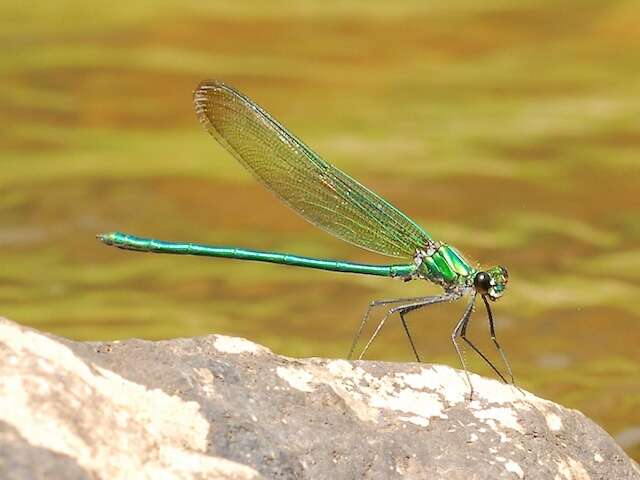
338	204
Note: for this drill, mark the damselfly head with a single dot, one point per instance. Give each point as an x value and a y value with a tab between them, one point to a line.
492	282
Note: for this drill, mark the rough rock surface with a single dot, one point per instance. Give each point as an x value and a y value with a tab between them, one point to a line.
225	408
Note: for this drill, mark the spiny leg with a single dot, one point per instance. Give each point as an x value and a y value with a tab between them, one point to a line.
414	305
402	311
456	333
463	335
406	330
365	317
492	331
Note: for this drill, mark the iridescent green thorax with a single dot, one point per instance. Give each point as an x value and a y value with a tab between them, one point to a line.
444	265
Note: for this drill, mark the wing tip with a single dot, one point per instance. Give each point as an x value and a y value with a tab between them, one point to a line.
202	96
204	90
207	85
207	94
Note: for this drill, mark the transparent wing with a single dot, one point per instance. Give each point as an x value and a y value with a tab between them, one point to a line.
317	190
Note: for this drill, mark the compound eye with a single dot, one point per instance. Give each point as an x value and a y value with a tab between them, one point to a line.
482	282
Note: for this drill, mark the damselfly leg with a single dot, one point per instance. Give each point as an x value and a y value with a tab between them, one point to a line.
492	331
365	317
408	304
457	332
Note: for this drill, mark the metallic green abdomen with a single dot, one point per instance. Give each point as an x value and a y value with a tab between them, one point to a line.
447	266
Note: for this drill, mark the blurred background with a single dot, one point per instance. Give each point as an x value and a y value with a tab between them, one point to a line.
506	128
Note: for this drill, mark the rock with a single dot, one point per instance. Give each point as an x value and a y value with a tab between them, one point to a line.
217	407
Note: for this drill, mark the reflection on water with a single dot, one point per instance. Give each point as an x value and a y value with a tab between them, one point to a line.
516	141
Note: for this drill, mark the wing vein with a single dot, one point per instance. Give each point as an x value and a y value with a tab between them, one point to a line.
315	189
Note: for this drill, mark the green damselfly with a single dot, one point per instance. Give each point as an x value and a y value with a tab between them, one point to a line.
338	204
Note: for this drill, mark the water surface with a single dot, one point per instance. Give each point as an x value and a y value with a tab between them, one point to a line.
509	130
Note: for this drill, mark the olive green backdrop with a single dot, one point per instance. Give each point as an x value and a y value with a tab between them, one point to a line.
509	130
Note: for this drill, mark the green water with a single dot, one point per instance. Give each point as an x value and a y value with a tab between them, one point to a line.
508	130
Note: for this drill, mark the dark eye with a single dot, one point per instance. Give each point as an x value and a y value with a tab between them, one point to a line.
482	282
